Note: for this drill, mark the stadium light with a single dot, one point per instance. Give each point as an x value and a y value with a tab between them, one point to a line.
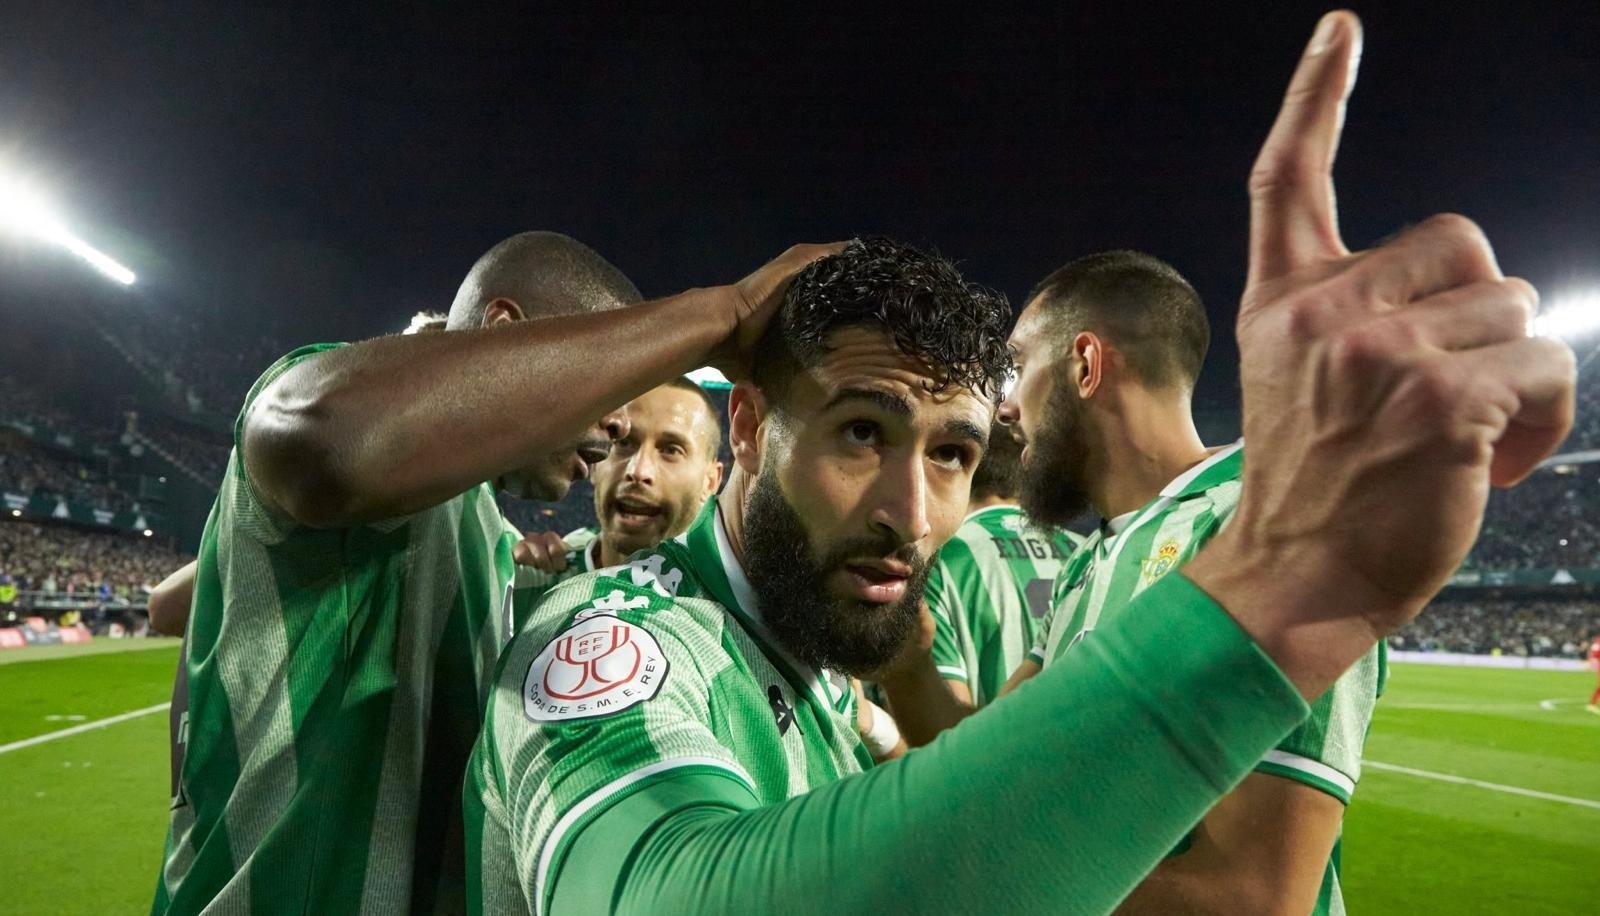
25	211
1570	315
148	532
707	377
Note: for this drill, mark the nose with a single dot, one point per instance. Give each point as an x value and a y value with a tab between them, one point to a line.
1008	413
641	467
616	424
902	502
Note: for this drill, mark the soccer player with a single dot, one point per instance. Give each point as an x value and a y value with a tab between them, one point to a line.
663	750
349	586
1594	662
648	489
988	589
1109	348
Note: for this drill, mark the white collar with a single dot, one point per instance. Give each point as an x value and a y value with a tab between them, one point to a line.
1182	481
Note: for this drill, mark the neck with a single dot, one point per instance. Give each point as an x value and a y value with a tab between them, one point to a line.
989	501
609	556
731	502
1147	439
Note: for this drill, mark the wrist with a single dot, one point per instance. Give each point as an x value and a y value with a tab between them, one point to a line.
1295	600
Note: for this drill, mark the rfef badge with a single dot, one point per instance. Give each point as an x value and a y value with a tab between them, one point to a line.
600	665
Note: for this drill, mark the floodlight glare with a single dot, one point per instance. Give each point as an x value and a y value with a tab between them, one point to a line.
26	212
707	377
1569	316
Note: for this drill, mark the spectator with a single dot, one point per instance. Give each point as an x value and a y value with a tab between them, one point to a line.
1538	628
55	559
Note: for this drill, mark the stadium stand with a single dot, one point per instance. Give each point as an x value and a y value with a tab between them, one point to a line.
35	472
55	568
1510	626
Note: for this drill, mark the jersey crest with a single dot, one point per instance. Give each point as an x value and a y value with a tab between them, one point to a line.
1161	562
598	666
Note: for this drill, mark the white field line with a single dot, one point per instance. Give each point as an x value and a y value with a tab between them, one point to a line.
79	729
1478	783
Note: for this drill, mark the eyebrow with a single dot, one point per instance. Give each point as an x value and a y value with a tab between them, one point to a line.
901	407
967	429
891	403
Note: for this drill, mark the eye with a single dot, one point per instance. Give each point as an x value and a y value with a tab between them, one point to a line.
1008	385
951	456
672	451
862	433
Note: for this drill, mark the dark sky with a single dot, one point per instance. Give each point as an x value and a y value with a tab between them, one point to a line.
338	170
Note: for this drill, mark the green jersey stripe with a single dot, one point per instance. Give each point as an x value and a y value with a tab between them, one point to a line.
334	680
987	591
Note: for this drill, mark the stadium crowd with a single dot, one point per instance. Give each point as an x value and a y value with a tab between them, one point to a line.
1507	626
54	560
27	470
1547	522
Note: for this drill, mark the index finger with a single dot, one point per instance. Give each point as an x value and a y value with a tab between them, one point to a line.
1293	218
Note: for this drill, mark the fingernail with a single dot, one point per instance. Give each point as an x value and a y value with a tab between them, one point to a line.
1327	31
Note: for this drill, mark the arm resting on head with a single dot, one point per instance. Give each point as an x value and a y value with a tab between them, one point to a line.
378	429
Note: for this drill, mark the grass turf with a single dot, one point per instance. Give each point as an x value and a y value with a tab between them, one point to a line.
91	808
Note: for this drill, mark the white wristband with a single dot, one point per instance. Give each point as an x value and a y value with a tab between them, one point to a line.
884	735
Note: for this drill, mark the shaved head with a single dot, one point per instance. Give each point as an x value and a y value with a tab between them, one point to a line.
545	274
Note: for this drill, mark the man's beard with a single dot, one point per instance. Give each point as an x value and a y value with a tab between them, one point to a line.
1051	487
816	627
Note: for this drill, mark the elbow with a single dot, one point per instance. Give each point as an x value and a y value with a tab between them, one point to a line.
294	453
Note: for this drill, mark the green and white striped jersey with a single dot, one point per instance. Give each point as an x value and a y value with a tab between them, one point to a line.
1124	557
988	589
529	584
656	668
331	681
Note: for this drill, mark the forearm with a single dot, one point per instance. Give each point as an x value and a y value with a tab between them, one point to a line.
377	429
921	701
1135	750
170	602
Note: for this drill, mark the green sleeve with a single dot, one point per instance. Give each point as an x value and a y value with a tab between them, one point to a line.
1129	747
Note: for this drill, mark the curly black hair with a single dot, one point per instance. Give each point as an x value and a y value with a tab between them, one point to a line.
918	298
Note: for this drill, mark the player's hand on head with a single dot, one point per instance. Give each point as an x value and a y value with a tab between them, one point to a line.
755	299
1384	391
542	550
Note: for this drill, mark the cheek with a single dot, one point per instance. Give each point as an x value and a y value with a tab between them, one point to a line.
824	492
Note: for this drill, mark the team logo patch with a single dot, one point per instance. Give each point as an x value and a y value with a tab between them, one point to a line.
1162	562
600	665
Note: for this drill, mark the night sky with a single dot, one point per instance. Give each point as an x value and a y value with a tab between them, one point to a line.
330	172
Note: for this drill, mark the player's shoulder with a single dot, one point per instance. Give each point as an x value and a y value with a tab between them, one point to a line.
654	589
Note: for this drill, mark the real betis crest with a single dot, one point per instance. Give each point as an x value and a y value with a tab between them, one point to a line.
1161	562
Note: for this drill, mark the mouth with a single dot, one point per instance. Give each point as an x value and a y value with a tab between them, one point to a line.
631	512
877	581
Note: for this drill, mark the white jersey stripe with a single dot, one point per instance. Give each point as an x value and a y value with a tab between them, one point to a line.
1312	768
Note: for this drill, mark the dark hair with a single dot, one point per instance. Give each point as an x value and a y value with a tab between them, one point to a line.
546	273
997	473
1141	304
917	298
712	410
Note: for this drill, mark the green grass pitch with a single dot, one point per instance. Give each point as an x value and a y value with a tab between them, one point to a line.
83	816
